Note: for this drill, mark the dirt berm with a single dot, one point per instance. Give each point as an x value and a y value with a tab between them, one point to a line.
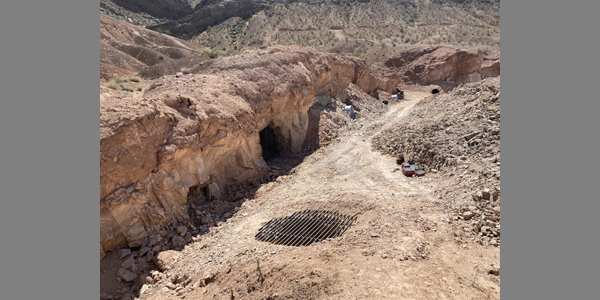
201	131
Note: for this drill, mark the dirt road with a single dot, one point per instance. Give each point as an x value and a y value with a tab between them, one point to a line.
400	247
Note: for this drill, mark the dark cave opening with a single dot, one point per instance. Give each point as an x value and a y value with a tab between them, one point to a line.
268	143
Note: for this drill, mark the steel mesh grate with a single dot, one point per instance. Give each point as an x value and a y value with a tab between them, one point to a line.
304	228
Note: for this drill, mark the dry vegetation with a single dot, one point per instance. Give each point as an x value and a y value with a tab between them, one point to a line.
369	30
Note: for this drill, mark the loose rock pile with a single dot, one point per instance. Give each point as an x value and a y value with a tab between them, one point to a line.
451	130
363	103
480	219
458	134
329	123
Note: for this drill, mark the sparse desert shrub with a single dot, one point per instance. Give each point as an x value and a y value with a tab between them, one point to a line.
113	85
134	79
211	53
165	31
139	88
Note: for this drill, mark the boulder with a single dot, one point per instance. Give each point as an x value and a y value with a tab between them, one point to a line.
129	264
154	240
181	230
485	194
213	191
468	215
124	252
164	259
126	275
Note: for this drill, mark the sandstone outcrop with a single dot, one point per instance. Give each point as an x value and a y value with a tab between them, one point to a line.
201	131
490	68
424	66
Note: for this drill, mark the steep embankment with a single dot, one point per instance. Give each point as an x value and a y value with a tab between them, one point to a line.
200	131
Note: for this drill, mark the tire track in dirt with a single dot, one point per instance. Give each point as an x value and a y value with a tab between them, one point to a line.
378	257
367	171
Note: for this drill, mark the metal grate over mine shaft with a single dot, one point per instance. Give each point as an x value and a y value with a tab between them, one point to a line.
304	228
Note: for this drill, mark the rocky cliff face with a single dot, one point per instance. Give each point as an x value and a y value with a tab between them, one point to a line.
437	63
201	130
491	68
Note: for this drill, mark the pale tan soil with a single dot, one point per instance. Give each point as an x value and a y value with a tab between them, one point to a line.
400	247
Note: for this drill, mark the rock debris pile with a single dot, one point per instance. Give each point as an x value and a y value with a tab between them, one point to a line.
456	137
451	130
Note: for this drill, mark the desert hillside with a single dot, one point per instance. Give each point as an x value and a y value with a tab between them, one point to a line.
127	50
248	149
362	28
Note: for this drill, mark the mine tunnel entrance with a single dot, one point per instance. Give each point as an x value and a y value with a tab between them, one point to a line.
435	91
268	143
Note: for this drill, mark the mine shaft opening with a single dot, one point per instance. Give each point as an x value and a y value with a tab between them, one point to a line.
268	143
305	228
435	91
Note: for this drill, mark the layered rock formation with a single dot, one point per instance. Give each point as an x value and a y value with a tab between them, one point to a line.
439	63
201	130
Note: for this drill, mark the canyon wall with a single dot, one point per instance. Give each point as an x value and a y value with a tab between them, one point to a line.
432	64
202	129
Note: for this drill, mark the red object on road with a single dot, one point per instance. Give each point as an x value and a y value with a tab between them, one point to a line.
419	173
408	171
400	159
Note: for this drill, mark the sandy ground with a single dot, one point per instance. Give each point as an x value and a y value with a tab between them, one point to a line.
400	247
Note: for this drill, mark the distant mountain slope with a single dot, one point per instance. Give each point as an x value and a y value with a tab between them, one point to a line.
188	18
127	49
371	29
